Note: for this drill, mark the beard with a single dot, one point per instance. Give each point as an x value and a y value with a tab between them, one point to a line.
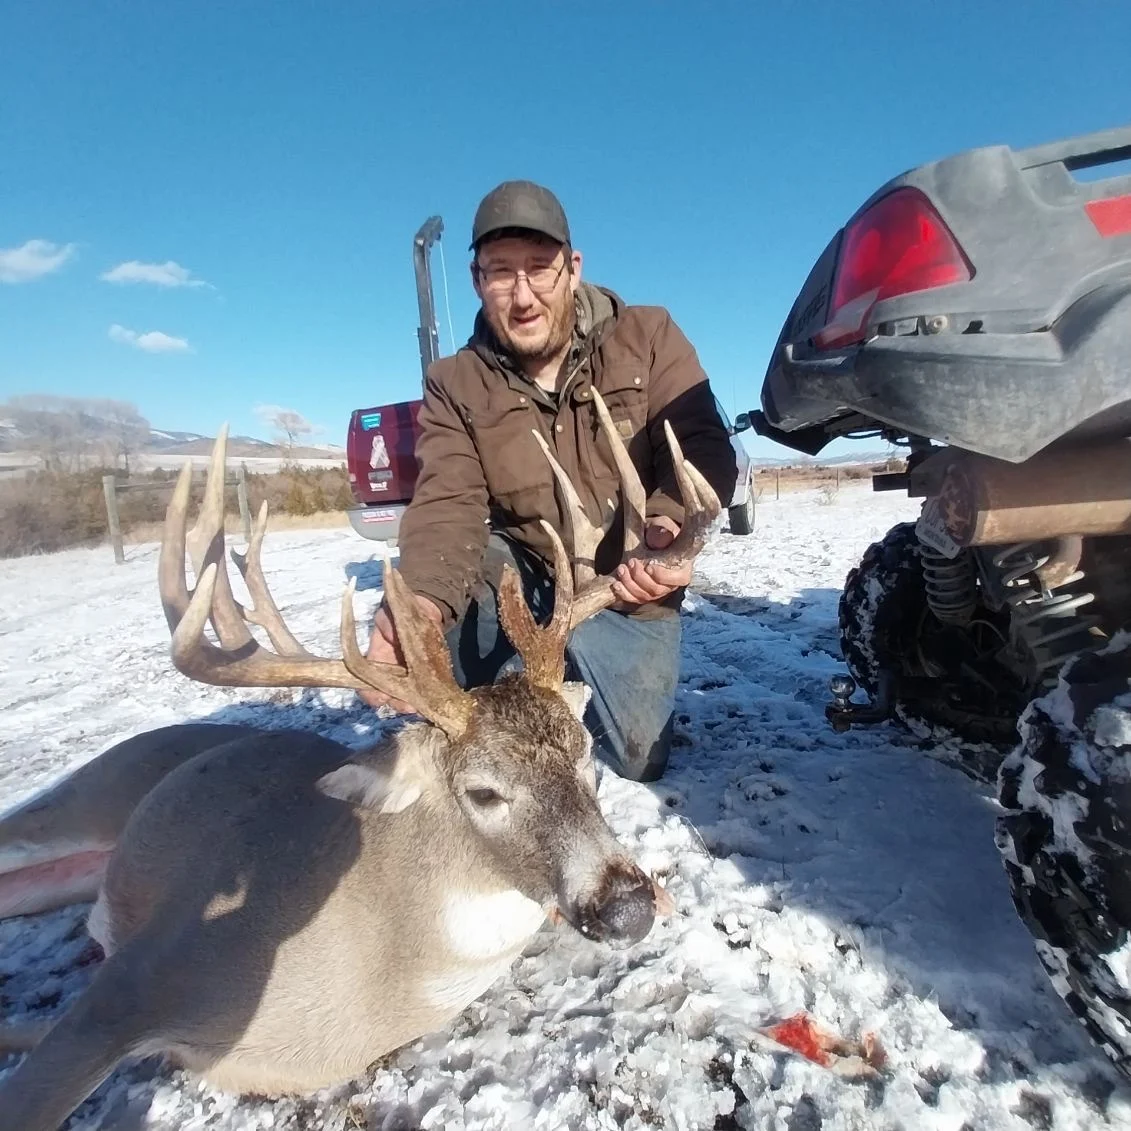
560	317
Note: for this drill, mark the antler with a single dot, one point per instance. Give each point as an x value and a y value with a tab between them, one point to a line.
426	682
542	649
700	503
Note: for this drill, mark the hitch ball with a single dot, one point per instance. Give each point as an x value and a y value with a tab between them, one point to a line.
843	688
839	712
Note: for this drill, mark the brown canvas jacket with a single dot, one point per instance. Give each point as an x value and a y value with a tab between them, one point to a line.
481	468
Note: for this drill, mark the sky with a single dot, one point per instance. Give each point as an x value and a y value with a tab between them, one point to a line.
208	209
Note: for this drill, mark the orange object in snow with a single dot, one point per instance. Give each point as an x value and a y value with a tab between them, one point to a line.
863	1058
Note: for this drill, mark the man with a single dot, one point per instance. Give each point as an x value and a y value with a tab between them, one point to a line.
542	341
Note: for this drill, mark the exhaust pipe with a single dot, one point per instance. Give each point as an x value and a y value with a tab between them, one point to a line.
989	502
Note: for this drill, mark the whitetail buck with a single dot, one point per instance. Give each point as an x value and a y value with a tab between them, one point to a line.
277	911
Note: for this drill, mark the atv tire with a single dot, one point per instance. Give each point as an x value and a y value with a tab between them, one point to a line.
883	611
1065	839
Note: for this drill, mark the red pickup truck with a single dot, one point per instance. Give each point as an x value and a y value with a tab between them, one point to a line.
381	460
381	444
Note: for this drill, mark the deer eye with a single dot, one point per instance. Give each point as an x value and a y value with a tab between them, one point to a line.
485	797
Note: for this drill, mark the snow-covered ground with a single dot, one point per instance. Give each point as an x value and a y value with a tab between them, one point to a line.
851	876
262	465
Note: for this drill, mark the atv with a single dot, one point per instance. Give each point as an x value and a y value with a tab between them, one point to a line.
976	311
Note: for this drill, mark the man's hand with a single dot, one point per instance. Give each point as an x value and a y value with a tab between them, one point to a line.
384	649
639	582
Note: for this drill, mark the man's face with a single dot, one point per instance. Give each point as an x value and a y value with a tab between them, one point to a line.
527	287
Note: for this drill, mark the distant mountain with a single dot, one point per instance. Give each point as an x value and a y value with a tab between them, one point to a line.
169	441
165	440
241	447
161	440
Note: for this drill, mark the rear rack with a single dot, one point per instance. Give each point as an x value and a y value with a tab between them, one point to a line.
1084	152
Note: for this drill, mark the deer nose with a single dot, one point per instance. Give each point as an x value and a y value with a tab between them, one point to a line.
628	913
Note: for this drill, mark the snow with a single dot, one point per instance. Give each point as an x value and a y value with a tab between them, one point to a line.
852	875
263	465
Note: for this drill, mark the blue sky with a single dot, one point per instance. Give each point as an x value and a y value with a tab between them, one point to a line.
283	154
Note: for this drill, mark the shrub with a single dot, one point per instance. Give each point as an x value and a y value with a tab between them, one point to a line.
43	512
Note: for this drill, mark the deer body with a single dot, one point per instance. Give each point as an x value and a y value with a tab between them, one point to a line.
54	848
272	923
279	912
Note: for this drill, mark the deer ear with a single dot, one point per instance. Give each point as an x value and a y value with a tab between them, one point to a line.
577	696
371	787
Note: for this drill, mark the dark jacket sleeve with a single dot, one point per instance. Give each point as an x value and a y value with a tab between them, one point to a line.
443	532
679	391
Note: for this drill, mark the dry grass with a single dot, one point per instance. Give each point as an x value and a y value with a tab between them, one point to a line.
770	481
42	513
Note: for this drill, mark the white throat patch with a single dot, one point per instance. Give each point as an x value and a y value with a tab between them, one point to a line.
479	927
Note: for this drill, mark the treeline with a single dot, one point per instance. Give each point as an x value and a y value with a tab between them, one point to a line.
46	511
73	434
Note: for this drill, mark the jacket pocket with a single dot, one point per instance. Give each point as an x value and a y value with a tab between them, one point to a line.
512	461
625	393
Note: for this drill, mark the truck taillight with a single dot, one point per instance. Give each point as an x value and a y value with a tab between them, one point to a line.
898	246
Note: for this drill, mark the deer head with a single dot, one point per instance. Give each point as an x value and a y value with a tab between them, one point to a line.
513	760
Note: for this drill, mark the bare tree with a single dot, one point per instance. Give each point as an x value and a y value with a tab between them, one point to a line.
128	430
69	434
52	428
289	426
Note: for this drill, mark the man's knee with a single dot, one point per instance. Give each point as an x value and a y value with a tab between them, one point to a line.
632	668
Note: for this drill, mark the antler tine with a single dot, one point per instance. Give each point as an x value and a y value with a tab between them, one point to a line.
247	663
700	503
247	667
632	490
584	535
264	612
701	508
171	560
426	682
205	543
542	649
240	660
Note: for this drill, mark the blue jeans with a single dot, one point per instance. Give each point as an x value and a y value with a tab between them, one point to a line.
630	664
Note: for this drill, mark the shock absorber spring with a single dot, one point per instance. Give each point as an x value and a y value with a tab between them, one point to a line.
1045	616
952	589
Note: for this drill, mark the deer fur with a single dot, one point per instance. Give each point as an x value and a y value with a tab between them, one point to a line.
55	846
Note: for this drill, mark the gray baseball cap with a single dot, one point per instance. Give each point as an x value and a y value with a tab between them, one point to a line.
520	204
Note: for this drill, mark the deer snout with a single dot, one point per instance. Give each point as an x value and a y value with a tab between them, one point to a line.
624	909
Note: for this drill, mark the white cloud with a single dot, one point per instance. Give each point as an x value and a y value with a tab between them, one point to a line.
152	342
32	261
167	274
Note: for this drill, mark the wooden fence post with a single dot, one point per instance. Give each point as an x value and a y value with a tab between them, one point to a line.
108	489
241	494
777	485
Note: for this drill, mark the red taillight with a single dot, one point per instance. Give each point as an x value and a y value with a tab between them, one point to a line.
898	246
1112	217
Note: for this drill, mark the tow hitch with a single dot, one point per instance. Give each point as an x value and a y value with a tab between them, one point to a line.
842	713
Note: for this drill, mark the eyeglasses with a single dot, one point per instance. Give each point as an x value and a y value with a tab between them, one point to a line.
501	280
